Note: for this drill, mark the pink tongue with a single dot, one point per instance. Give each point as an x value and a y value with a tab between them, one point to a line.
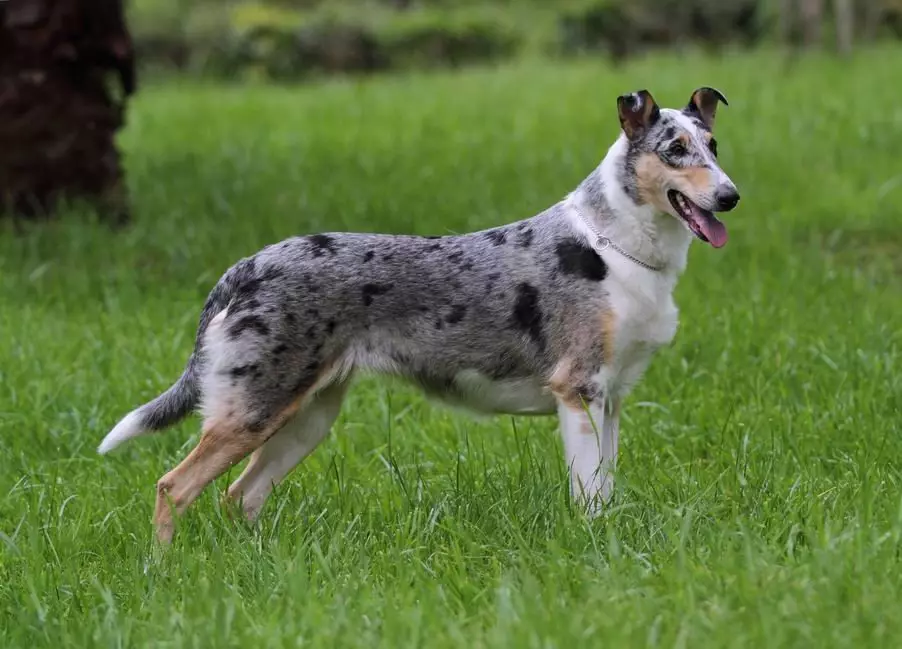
715	231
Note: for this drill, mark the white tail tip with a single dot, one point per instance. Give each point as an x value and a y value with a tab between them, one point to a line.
129	427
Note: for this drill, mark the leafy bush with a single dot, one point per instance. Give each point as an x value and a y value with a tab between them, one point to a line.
292	39
435	38
623	28
597	25
891	18
275	42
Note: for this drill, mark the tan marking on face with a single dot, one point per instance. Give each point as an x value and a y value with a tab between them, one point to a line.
684	138
698	178
653	177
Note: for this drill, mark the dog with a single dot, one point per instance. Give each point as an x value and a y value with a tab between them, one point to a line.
558	313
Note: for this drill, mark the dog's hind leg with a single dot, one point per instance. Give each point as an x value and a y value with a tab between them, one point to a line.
224	443
221	445
300	435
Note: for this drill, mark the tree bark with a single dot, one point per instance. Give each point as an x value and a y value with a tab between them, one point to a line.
812	15
872	12
787	21
58	112
844	16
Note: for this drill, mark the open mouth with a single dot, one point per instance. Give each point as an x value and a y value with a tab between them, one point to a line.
702	223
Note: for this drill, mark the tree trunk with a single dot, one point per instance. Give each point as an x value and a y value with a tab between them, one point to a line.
58	114
812	14
844	16
872	11
787	22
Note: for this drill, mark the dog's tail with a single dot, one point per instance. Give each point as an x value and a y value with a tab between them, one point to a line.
184	395
168	408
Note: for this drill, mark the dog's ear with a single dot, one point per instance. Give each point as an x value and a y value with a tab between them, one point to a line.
703	104
638	112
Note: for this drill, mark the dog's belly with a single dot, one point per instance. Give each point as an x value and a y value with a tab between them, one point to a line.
474	391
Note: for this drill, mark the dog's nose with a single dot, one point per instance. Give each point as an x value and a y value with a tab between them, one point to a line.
727	198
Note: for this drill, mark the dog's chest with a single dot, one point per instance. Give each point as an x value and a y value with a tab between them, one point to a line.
645	318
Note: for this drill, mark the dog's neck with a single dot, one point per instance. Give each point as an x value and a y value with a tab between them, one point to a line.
644	232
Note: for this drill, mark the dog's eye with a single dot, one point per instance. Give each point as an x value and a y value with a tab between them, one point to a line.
713	146
677	149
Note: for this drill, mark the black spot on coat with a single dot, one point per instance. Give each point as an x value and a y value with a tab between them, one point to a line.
527	314
497	237
322	243
370	290
575	258
401	358
458	311
524	240
249	322
244	302
243	370
245	284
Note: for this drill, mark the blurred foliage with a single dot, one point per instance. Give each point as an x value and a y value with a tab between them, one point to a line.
293	39
623	28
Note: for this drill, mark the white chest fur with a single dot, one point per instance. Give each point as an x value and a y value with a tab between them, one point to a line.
645	318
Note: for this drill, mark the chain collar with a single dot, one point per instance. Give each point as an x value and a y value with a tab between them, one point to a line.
603	243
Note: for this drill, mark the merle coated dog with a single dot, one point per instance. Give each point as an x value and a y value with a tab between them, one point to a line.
558	313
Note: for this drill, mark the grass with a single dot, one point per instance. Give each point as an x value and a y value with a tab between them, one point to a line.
758	501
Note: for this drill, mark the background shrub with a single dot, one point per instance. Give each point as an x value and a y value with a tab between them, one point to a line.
625	28
293	39
433	38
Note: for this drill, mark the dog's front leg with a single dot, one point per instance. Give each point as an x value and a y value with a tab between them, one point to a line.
590	444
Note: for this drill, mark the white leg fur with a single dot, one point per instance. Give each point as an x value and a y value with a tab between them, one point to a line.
590	446
298	438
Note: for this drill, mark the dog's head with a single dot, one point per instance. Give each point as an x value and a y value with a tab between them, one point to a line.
671	162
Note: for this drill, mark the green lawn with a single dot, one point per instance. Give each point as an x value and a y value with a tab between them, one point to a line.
758	501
